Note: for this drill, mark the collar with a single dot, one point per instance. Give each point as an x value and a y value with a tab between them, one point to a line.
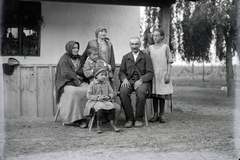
135	55
97	82
90	60
140	55
72	56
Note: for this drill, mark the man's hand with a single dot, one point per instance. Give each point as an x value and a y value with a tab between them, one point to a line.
138	83
125	83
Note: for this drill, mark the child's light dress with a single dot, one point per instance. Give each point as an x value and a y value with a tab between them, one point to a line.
160	57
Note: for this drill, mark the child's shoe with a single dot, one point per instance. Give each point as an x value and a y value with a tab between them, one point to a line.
99	128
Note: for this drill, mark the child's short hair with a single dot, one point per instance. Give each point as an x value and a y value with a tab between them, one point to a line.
92	50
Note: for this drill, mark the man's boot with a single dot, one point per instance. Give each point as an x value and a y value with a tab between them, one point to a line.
99	129
116	129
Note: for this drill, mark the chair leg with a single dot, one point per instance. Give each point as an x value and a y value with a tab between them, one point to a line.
91	121
146	116
171	103
118	115
171	106
56	116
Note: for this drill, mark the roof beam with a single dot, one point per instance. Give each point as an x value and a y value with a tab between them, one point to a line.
117	2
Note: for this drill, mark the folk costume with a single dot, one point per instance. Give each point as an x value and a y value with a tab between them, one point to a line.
70	86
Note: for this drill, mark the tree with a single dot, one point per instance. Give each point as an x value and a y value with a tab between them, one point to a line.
152	20
181	32
201	23
225	19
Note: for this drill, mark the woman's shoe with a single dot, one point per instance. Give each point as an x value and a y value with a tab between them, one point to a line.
162	119
70	124
115	128
83	125
154	119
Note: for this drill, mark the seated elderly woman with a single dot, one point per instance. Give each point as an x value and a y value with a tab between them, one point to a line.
71	87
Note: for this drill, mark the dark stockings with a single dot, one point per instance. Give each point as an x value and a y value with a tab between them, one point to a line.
161	103
159	117
111	115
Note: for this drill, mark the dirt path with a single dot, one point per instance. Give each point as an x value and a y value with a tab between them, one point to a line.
125	154
201	127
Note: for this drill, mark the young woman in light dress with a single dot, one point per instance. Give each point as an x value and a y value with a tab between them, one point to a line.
162	84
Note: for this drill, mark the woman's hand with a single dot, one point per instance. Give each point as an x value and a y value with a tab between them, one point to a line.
167	78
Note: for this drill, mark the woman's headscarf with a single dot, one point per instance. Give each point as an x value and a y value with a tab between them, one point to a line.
98	30
69	47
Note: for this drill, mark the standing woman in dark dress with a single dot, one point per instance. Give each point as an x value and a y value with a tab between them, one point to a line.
70	86
105	50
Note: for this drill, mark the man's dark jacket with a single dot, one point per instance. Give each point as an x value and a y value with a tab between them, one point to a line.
143	66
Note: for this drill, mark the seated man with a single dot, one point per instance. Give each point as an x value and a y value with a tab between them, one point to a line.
135	74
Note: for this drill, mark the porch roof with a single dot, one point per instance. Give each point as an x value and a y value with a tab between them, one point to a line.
119	2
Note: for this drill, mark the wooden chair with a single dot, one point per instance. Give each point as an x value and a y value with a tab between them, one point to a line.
90	124
58	110
170	104
93	115
117	117
56	115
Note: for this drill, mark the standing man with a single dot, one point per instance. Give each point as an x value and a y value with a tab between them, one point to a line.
136	73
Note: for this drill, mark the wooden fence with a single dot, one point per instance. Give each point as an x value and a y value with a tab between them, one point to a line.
29	91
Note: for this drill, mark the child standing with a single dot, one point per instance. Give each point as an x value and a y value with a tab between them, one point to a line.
162	83
100	98
93	62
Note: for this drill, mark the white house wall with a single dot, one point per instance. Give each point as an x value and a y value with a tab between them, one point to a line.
78	21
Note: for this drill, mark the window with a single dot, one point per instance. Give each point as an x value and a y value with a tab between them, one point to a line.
22	23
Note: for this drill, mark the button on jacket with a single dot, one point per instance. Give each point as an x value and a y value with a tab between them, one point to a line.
143	66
